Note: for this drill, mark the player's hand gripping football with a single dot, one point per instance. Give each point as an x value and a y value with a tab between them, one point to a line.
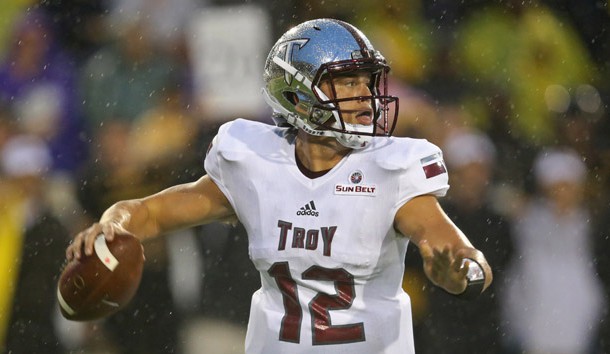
84	240
444	267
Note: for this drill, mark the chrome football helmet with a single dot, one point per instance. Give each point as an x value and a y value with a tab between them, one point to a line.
320	50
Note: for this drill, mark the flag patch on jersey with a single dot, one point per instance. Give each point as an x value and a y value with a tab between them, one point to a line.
433	165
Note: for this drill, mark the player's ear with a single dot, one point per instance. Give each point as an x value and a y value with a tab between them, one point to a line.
292	97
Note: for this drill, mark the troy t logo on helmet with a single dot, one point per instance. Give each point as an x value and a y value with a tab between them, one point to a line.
288	55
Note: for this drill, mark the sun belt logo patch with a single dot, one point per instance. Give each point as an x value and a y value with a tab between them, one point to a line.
308	209
356	177
355	186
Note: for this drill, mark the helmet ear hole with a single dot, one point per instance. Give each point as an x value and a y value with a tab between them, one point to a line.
291	97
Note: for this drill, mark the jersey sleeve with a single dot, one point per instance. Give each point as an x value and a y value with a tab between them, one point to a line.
236	143
213	161
425	172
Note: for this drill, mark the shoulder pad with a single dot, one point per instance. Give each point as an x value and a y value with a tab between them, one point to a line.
240	138
401	153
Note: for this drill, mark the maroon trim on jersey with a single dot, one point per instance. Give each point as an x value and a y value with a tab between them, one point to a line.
434	169
209	147
307	172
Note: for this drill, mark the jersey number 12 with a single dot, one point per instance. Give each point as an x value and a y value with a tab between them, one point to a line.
323	331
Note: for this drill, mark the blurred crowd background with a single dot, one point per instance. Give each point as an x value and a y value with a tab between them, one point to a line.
103	100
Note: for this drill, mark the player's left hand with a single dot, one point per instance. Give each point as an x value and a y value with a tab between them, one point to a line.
444	267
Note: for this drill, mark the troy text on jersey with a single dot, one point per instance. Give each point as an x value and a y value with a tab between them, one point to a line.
306	238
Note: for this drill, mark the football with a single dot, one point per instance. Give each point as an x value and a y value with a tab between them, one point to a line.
103	283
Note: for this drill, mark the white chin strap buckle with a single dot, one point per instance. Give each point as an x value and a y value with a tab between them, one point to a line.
352	139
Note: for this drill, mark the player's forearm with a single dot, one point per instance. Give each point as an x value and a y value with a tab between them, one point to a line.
174	208
133	216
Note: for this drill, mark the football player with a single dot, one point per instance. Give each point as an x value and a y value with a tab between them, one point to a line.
329	200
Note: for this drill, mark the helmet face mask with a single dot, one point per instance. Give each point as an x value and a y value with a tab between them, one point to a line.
379	102
320	51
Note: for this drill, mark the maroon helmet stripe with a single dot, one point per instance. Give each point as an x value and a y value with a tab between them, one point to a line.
354	33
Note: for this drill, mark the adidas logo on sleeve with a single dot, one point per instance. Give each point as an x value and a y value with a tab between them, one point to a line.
308	209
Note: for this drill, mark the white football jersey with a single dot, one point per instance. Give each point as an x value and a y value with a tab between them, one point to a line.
330	260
